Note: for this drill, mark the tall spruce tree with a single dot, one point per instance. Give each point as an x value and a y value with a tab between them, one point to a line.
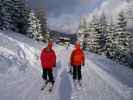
81	31
103	34
86	40
122	37
19	15
110	43
41	15
96	36
34	27
5	15
13	15
92	36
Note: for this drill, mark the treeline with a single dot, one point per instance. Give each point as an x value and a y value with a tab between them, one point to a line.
17	16
108	37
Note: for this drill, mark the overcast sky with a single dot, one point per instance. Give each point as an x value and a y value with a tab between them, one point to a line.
64	15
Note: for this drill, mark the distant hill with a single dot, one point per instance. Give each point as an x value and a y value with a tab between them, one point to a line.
55	35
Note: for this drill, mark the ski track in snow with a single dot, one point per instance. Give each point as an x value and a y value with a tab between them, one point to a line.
20	76
65	89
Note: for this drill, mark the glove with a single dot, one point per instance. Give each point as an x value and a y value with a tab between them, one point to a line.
54	66
83	64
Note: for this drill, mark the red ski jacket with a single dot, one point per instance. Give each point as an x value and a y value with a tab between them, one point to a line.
48	58
77	57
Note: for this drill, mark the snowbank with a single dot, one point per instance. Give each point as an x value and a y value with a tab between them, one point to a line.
117	76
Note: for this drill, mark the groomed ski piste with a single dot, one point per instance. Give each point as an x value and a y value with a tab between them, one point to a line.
20	74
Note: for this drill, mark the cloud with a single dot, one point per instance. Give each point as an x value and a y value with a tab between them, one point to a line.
55	7
110	7
64	15
65	23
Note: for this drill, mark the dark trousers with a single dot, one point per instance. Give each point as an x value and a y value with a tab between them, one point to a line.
48	75
77	72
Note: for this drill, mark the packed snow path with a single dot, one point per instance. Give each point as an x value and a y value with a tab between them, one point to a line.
20	75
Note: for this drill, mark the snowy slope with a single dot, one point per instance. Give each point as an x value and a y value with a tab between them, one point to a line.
20	74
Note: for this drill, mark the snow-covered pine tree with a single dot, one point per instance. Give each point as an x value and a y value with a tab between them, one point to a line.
129	15
81	31
1	5
88	34
5	15
34	27
86	40
41	15
96	35
103	34
89	42
110	43
130	53
122	38
19	13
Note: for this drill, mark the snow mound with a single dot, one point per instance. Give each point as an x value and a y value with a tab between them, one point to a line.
117	76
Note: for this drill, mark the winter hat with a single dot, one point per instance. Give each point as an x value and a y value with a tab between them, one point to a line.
77	45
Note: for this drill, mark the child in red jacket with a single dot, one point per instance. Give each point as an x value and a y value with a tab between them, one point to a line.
77	59
48	61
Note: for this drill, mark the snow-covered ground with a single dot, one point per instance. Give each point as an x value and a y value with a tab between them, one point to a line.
20	74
